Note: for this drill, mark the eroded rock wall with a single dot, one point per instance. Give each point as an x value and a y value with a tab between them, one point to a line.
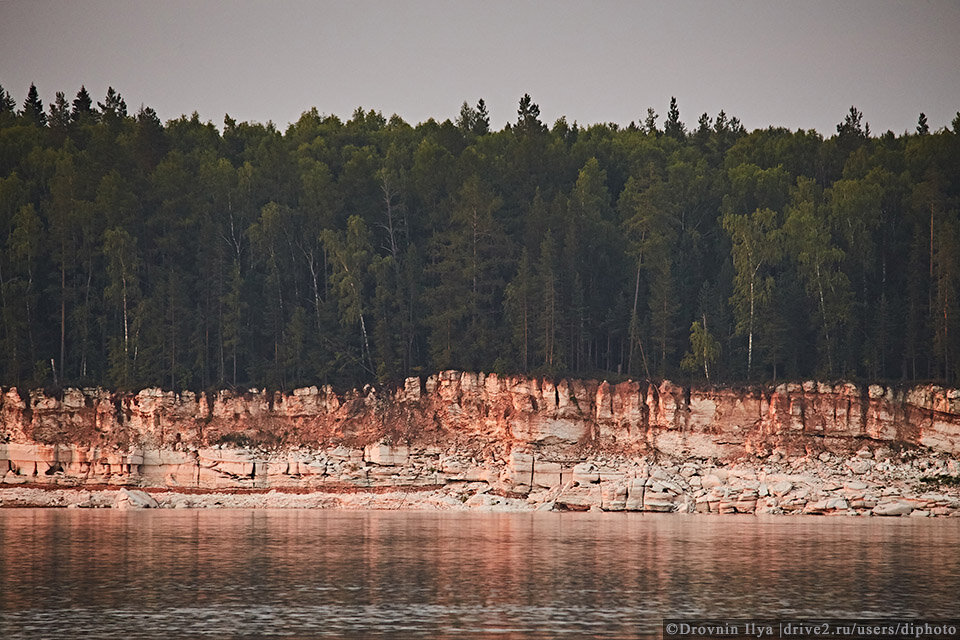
591	441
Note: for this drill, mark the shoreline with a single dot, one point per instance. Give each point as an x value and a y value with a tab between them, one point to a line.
460	440
412	498
824	485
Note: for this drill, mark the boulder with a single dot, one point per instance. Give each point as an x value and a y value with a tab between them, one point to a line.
134	499
892	508
658	502
860	466
781	488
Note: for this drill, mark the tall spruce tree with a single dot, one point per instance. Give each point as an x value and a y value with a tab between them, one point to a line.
673	127
33	111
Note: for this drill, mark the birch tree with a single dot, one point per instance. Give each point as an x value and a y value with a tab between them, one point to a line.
756	247
818	262
351	255
123	261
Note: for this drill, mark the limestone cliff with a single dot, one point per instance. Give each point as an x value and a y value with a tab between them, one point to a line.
516	434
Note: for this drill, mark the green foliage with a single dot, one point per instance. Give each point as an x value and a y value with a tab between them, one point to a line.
33	111
135	252
528	117
704	350
673	127
756	240
8	106
123	291
818	261
351	256
521	309
82	106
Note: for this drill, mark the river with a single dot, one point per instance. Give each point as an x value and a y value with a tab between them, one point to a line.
175	574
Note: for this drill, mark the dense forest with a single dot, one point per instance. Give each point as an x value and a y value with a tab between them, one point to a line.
136	253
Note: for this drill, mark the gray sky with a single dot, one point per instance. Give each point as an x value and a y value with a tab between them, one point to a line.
793	64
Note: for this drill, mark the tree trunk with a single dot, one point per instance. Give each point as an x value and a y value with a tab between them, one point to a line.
750	336
63	312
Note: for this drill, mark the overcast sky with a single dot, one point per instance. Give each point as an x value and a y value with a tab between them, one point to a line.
792	64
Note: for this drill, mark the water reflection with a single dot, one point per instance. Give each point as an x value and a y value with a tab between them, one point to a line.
307	574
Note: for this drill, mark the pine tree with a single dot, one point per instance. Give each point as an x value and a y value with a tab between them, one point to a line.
550	317
8	107
481	124
528	117
521	309
664	307
113	109
704	130
82	106
852	125
24	246
467	119
468	279
59	117
33	111
851	133
650	122
946	311
673	127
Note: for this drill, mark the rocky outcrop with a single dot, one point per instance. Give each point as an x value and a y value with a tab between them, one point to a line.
569	444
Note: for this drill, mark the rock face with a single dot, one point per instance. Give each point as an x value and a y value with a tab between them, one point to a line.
572	443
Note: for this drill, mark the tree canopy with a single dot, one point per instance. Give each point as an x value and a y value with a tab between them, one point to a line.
135	252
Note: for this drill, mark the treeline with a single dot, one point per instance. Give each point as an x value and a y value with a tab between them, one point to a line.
136	253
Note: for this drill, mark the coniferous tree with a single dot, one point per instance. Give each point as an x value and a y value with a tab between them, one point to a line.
59	117
704	131
673	127
481	124
24	245
113	109
8	106
946	311
33	111
528	117
551	356
467	119
468	278
135	252
521	309
650	122
82	106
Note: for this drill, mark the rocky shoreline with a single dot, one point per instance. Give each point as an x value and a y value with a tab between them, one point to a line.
460	440
863	485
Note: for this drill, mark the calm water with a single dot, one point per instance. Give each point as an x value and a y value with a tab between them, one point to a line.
312	574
